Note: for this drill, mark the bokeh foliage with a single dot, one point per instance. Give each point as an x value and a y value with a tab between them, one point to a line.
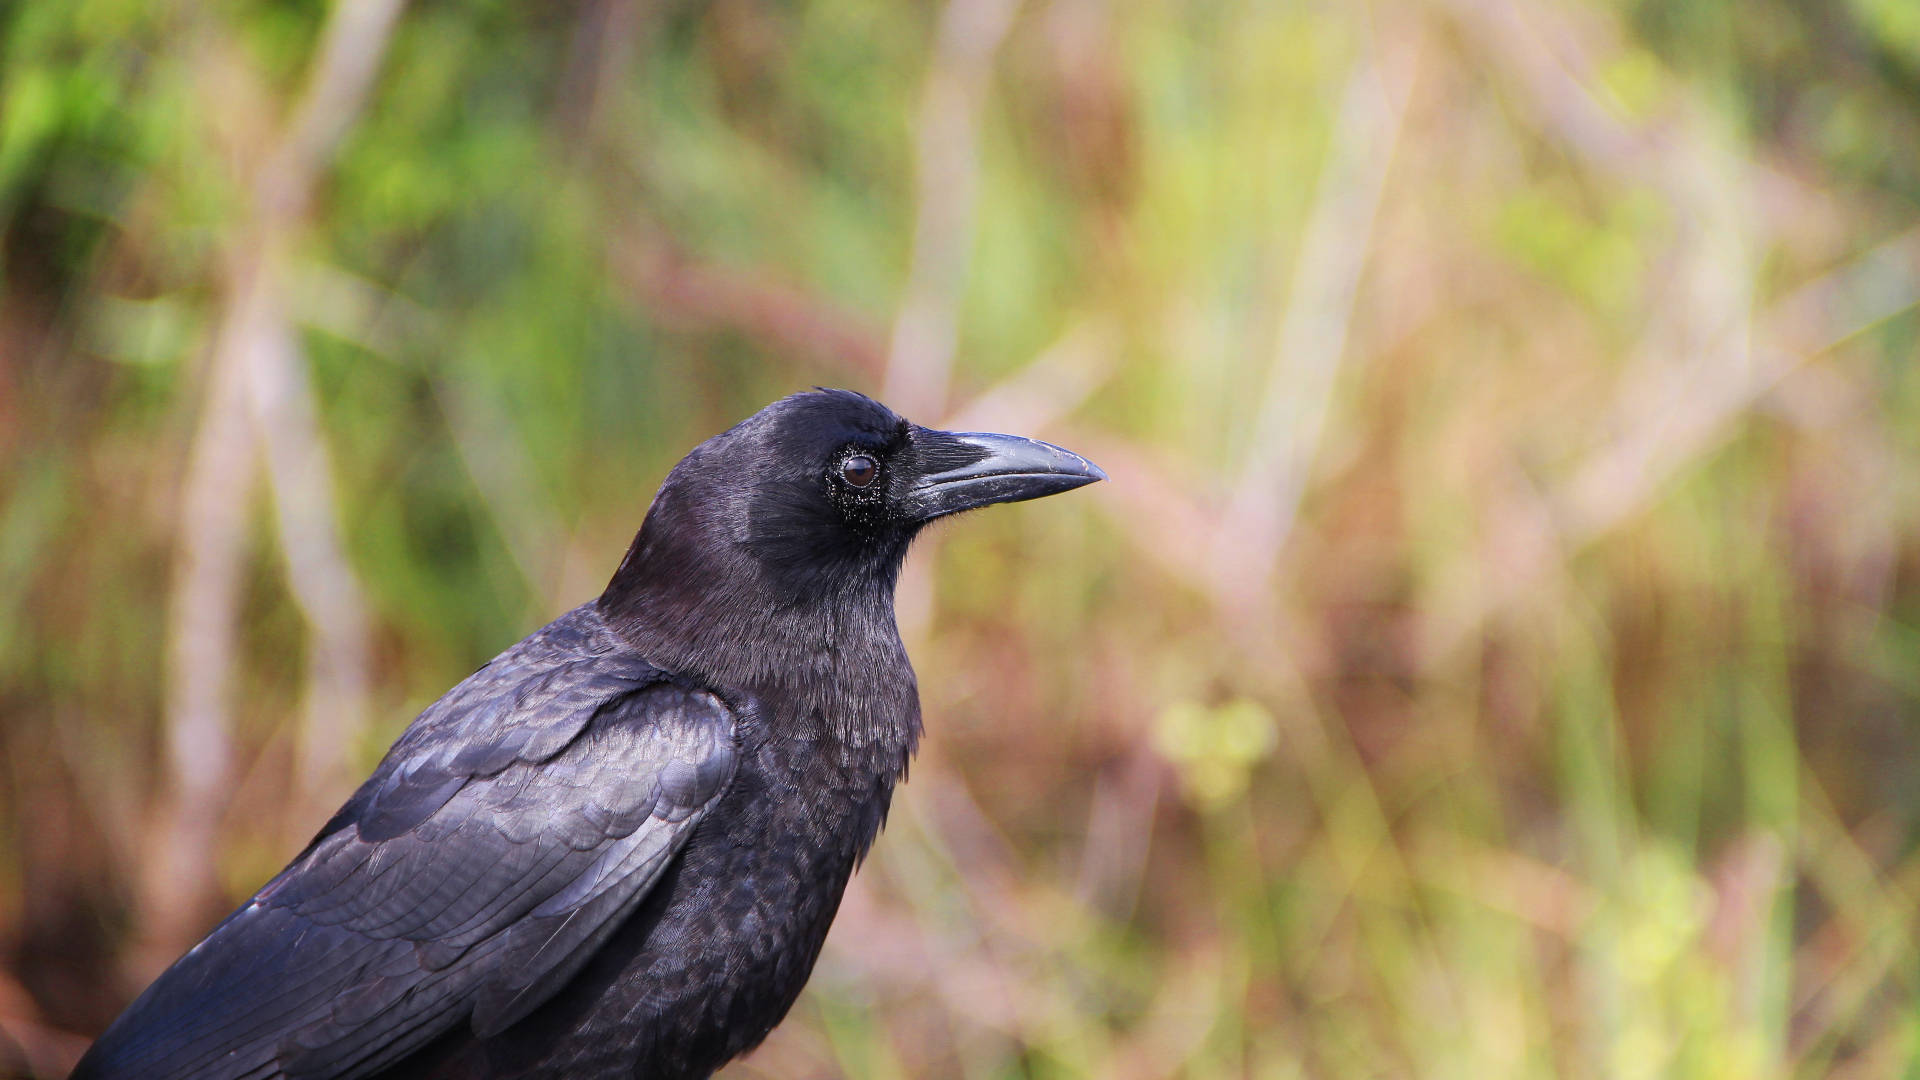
1497	651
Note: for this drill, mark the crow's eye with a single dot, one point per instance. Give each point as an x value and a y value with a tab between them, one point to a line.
859	470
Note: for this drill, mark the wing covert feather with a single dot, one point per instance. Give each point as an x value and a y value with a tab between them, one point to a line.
440	894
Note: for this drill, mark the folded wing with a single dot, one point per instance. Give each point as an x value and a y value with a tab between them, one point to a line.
492	853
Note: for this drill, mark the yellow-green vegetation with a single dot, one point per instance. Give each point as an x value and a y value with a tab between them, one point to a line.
1497	653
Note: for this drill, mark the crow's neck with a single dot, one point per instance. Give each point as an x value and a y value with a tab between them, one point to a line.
828	661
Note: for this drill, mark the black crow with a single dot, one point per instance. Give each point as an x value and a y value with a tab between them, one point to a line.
614	850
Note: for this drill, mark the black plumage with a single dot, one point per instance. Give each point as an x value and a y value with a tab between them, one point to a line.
613	851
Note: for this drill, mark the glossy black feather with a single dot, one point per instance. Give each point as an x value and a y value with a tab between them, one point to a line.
489	854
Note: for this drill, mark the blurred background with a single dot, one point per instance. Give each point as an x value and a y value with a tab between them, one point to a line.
1497	653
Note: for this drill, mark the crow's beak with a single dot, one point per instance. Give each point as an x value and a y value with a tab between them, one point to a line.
963	470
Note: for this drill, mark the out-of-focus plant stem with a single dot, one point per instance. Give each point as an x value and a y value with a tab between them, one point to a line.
257	377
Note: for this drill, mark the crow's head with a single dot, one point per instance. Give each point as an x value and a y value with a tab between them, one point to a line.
824	490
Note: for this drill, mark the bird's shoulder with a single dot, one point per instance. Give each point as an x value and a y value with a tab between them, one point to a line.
525	706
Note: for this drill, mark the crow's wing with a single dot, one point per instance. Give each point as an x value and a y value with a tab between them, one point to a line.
472	875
